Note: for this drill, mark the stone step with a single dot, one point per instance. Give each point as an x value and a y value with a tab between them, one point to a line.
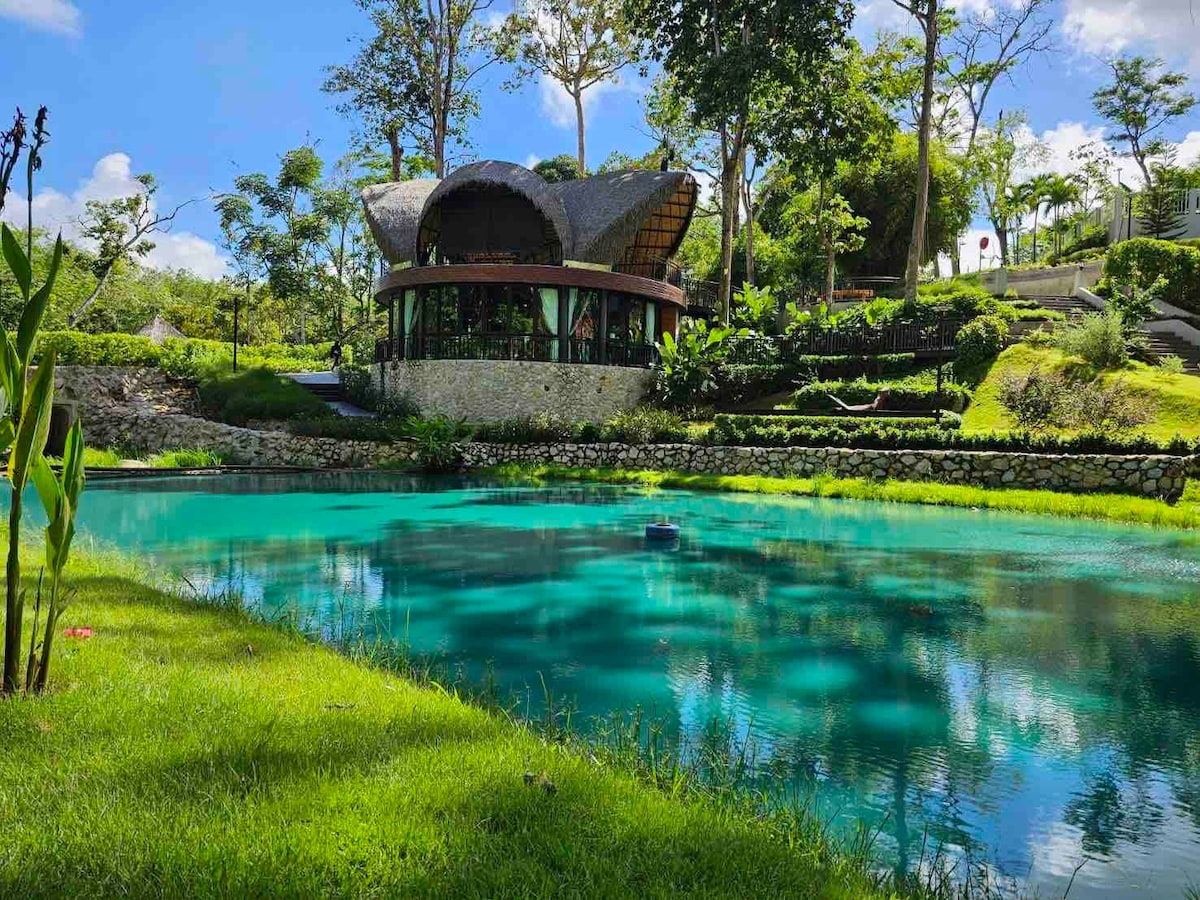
1159	344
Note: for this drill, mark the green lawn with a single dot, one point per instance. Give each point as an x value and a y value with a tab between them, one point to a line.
1114	507
1175	399
186	751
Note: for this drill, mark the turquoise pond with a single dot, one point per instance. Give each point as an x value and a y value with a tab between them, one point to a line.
1027	689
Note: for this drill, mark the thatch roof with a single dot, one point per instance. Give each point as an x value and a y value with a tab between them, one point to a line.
630	216
159	330
518	179
394	215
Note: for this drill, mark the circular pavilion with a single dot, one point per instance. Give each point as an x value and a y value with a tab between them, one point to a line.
507	295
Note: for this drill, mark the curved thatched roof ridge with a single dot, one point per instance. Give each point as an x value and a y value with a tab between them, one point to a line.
394	215
609	210
519	180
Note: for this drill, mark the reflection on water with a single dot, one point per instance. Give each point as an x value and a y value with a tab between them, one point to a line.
1026	688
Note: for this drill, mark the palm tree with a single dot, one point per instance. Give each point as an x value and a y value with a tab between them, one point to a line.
1059	192
1016	204
1036	189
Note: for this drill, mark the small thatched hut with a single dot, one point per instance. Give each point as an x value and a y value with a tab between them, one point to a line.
159	330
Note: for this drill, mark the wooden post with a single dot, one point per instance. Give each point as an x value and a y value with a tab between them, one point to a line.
602	330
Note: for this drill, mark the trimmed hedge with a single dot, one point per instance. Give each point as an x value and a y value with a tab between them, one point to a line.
644	425
184	357
846	423
877	436
1149	259
908	394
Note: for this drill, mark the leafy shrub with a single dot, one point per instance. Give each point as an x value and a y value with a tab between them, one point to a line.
236	398
876	436
182	357
980	340
739	383
1135	304
436	442
732	423
645	425
1093	241
1142	261
1084	255
359	387
186	459
541	428
1033	399
1171	364
1100	339
397	407
685	373
344	428
912	393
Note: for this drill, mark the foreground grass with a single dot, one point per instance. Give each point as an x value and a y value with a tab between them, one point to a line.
112	457
1113	507
187	751
1173	399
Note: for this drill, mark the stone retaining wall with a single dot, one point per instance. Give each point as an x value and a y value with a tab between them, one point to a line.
1156	476
491	390
151	433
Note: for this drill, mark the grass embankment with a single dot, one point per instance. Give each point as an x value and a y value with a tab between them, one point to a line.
1113	507
187	751
1174	399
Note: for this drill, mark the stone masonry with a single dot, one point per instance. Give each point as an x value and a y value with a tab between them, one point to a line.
1154	476
491	390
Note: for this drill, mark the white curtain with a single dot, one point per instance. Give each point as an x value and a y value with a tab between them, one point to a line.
652	336
549	297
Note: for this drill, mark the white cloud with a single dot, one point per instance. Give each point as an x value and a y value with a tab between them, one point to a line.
1188	149
532	160
1056	145
57	16
1167	28
559	107
112	177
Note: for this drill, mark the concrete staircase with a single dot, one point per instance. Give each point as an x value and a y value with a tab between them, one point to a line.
1157	344
327	387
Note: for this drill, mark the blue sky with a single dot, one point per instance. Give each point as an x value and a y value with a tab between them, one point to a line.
197	92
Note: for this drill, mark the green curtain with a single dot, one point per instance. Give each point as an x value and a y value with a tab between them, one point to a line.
549	298
410	311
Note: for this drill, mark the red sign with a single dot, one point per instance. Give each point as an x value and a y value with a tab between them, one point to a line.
983	243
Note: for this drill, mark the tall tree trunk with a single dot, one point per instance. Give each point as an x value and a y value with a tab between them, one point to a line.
748	200
580	129
393	139
729	204
86	304
917	247
1036	210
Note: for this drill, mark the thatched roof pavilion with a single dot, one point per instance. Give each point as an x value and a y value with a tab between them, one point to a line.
159	330
494	262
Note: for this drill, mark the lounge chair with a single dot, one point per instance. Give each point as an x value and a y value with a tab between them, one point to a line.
874	406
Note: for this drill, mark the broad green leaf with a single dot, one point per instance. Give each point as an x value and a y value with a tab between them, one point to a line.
48	489
73	473
35	425
10	367
6	434
31	316
18	263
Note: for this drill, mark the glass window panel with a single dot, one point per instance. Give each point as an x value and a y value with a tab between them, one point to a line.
637	319
499	309
471	308
429	309
616	317
448	318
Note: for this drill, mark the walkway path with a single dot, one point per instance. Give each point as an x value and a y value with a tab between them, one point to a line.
328	388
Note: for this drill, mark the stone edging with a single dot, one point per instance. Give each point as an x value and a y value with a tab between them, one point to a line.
1152	476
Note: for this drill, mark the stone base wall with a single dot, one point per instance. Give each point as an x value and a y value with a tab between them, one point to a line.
1153	476
151	433
491	390
121	390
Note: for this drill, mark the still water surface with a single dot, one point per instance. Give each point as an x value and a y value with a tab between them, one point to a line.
1028	689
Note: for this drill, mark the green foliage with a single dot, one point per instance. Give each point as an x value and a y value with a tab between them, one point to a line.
755	308
182	357
345	428
980	340
1038	401
359	387
1157	215
883	191
729	424
685	372
918	392
186	459
1135	304
563	167
1171	364
1089	245
644	425
237	398
1102	340
1142	261
872	434
436	443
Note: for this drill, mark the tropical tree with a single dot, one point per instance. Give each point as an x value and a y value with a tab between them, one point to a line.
1139	102
577	44
730	59
415	77
559	168
279	222
121	230
926	14
998	153
1035	190
1158	215
1060	191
